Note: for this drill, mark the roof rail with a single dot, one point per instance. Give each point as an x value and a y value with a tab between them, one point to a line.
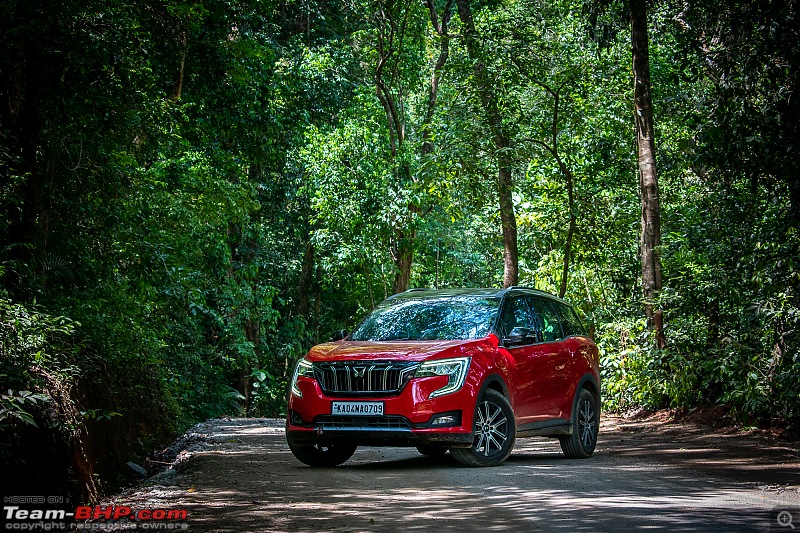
417	289
537	291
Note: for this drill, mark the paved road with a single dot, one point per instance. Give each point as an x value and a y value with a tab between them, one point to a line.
243	478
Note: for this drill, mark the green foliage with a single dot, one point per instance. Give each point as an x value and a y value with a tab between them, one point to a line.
269	394
193	195
14	403
28	337
36	360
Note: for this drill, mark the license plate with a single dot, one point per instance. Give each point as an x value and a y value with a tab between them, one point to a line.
357	408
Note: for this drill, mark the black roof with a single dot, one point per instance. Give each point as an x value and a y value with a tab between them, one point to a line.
422	293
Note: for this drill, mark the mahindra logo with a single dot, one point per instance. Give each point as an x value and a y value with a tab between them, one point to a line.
358	371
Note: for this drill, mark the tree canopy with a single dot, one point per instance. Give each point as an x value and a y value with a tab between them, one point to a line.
193	194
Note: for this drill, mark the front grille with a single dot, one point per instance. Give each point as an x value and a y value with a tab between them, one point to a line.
371	422
364	378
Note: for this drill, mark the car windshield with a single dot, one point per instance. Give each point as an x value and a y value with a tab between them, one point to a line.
451	318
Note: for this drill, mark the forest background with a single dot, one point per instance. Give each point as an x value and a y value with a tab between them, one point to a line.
195	192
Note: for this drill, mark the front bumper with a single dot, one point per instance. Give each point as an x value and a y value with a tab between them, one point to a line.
391	430
410	418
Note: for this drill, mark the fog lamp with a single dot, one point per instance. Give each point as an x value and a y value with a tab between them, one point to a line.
446	420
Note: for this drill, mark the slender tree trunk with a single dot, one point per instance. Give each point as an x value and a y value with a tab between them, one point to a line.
505	183
713	323
317	303
252	332
573	222
175	93
444	52
304	284
368	278
562	290
648	178
404	251
391	34
568	178
505	188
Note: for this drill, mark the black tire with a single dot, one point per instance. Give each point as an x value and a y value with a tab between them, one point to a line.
431	450
322	455
585	424
495	432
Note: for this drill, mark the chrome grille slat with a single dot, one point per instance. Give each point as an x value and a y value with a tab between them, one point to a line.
359	378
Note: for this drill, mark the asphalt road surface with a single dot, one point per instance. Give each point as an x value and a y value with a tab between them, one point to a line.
239	475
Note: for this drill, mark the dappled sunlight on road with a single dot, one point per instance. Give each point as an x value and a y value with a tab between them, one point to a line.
247	480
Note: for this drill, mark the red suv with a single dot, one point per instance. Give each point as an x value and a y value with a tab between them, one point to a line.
465	370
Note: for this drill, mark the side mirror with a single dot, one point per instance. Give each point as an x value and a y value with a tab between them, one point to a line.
339	335
520	336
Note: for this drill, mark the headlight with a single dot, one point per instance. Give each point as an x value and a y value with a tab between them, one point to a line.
454	369
303	368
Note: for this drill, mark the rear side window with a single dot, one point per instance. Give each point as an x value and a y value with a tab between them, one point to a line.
570	321
548	319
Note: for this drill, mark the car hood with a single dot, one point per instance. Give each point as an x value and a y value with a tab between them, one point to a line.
390	350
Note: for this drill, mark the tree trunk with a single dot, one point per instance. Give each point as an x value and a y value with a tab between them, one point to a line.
403	257
175	93
368	278
252	332
648	178
505	188
568	178
317	303
505	183
712	339
303	286
573	222
562	290
433	89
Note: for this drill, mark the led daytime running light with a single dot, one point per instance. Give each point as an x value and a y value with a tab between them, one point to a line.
303	368
455	370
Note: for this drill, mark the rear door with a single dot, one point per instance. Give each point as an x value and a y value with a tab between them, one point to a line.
541	363
583	352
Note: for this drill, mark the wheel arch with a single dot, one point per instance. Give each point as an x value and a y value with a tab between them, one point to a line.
496	382
590	383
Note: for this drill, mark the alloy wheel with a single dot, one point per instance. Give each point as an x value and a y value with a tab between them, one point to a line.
491	429
587	424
